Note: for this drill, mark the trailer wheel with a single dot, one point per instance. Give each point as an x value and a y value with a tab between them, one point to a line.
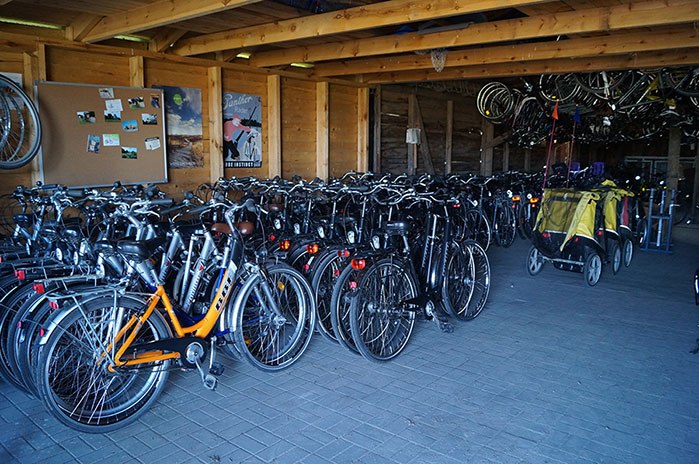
535	261
592	269
627	251
615	256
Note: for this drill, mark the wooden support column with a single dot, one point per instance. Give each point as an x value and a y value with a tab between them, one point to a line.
30	71
215	123
41	62
424	143
695	196
448	145
506	157
673	157
376	150
322	130
274	126
487	148
362	129
136	74
412	148
527	159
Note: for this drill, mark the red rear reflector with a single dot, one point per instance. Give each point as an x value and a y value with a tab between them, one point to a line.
272	237
456	205
38	288
516	198
336	273
358	264
343	253
600	232
42	332
306	267
353	285
546	235
53	305
312	249
20	274
533	200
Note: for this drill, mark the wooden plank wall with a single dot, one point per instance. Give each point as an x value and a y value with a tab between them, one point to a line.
343	129
466	134
298	118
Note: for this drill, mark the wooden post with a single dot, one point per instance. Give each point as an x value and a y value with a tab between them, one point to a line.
695	196
41	62
136	73
274	126
527	159
362	129
215	124
424	143
412	148
376	151
506	157
487	148
448	145
673	157
29	69
322	130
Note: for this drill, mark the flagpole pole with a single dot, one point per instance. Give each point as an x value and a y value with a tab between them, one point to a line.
548	155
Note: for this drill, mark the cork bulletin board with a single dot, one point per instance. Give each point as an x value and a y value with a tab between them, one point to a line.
94	135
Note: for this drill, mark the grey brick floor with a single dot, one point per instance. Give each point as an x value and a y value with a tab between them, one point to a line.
552	371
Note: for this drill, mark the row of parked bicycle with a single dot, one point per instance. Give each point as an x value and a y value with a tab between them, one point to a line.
103	292
606	106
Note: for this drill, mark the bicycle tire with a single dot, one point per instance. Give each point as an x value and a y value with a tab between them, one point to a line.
344	290
481	286
67	364
505	226
15	152
256	331
478	227
459	277
322	283
382	334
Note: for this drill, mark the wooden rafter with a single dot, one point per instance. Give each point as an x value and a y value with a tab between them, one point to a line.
83	24
352	19
165	38
160	13
633	15
621	43
555	66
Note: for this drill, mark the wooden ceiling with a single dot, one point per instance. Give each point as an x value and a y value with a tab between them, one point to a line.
390	40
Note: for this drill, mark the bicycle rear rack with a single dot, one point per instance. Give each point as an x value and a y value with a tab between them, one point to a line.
659	239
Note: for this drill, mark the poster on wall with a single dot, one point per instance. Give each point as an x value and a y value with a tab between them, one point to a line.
242	130
185	148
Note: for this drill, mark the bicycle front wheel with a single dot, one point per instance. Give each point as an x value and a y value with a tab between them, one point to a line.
72	372
20	129
381	325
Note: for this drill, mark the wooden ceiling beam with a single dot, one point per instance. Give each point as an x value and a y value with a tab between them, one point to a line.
680	57
615	44
165	38
159	13
83	24
633	15
336	22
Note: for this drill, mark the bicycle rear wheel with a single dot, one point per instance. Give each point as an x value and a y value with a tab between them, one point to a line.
481	284
380	326
20	129
269	340
72	368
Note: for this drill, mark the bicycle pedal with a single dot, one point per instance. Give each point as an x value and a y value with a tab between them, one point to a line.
216	369
210	382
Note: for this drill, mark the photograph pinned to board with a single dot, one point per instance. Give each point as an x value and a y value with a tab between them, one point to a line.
129	152
111	140
155	100
130	125
86	117
136	103
106	92
183	113
93	143
149	119
113	105
242	130
152	143
112	116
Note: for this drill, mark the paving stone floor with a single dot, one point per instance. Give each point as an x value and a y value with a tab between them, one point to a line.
552	371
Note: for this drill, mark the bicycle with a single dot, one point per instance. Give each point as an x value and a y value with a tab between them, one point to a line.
20	128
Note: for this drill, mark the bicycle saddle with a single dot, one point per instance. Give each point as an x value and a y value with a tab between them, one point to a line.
221	228
142	249
274	207
245	227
